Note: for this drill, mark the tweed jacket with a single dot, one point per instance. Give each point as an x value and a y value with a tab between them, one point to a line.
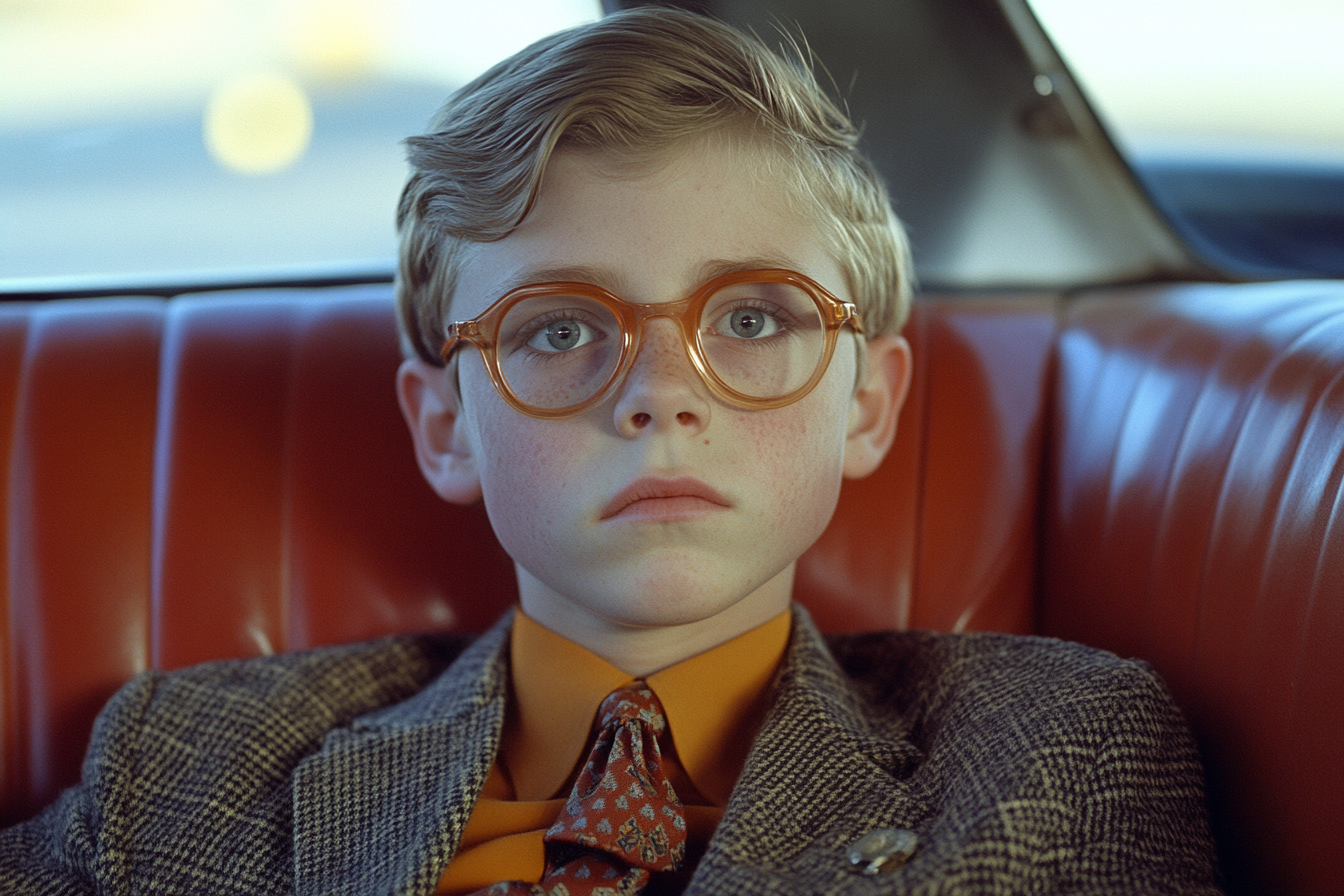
1024	765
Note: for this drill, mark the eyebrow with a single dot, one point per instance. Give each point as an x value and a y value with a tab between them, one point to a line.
717	268
576	273
609	280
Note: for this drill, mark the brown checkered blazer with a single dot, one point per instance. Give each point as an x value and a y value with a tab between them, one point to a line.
1024	765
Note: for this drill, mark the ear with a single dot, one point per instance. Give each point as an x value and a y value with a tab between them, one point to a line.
876	406
433	411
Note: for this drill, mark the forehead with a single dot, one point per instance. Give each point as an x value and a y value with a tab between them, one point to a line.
650	232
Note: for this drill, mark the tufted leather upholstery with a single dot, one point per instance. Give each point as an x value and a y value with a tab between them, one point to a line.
1156	471
1195	517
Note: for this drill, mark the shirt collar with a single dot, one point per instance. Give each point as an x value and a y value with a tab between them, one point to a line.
714	702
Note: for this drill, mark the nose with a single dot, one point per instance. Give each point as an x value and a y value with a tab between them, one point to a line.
662	392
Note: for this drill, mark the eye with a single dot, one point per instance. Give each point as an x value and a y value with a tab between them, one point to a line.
562	335
748	323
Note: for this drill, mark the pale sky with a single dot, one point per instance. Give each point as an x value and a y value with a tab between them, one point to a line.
1220	74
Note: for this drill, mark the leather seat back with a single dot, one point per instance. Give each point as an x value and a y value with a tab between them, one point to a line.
1158	471
1195	518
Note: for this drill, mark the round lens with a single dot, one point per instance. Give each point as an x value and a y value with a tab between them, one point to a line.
556	351
763	340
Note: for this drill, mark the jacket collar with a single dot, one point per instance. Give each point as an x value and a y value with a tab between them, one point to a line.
381	807
793	814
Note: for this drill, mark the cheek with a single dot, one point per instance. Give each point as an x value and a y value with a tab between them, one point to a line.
529	473
796	455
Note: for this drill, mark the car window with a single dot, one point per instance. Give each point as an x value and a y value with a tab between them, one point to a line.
160	140
1232	113
147	139
1228	78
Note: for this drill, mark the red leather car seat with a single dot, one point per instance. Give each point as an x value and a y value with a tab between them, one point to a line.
1195	518
1156	471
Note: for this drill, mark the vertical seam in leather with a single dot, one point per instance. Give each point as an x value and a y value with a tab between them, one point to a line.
1045	459
298	325
170	352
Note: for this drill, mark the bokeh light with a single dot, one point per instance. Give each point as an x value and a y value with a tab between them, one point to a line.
258	123
160	136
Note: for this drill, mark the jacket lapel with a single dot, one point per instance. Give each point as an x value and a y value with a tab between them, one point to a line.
381	808
819	776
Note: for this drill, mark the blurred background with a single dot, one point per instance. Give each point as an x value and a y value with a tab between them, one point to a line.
156	140
162	136
1241	79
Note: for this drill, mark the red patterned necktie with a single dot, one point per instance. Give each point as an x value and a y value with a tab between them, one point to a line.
623	820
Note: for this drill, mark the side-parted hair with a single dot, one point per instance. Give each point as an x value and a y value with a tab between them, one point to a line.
637	84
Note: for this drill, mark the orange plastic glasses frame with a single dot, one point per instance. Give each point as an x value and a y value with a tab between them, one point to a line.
483	332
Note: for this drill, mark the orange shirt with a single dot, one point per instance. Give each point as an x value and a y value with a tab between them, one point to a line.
714	702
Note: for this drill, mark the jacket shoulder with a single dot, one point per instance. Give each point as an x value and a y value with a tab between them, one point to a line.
204	755
1013	695
936	672
335	680
1027	743
280	706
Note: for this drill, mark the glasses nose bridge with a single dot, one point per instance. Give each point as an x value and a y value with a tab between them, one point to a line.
678	312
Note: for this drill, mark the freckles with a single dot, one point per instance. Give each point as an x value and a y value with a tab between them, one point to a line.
788	455
528	476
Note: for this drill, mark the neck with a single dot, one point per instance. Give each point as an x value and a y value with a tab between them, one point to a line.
640	648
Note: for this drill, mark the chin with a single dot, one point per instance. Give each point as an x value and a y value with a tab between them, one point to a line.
682	595
668	614
661	591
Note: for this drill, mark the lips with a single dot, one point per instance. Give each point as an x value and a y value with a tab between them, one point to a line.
650	497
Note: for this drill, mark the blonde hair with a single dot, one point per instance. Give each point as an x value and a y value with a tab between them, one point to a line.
635	84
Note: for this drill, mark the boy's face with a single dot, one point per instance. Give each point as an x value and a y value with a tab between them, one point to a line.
662	506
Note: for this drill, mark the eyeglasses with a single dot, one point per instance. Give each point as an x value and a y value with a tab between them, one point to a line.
759	340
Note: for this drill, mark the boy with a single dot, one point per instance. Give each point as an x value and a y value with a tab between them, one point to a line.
650	295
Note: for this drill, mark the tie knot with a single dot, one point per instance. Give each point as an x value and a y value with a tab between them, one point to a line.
634	702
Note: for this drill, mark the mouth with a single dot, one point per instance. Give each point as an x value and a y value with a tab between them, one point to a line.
664	499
